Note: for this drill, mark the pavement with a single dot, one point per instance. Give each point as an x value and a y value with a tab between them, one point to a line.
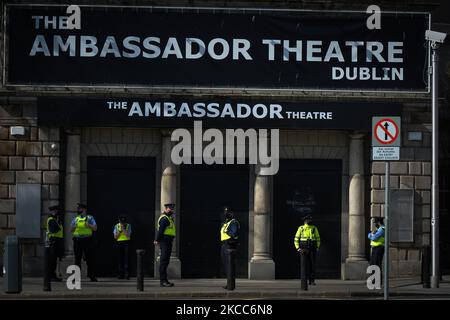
111	288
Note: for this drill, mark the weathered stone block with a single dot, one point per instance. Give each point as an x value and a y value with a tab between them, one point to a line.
54	163
426	168
3	162
377	196
7	177
7	205
399	167
375	182
3	220
4	133
426	197
43	163
375	210
50	148
25	148
28	177
51	177
413	255
3	191
426	225
44	134
423	182
30	163
415	168
394	182
54	134
406	182
33	133
54	192
7	148
426	211
12	191
45	191
15	163
11	221
377	167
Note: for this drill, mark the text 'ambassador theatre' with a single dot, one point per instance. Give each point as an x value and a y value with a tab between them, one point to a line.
268	112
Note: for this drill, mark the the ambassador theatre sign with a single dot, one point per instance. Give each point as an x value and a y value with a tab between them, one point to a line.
215	48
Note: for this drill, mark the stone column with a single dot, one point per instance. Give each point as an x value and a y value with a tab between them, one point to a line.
72	187
356	264
169	195
261	266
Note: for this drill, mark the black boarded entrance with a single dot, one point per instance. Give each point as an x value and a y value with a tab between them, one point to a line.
205	190
122	185
313	187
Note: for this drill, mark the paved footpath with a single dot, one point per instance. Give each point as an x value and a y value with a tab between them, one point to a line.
109	288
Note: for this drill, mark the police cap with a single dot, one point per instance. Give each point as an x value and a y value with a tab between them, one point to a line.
308	216
54	208
169	205
378	219
81	206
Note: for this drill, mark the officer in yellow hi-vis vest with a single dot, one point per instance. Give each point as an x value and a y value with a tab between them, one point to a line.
164	237
122	235
229	237
55	241
376	238
82	227
307	241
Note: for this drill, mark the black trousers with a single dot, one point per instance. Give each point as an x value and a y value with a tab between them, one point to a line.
124	259
56	248
224	254
86	246
310	257
377	256
166	250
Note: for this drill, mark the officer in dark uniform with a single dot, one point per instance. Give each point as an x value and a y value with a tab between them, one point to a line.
164	237
307	242
82	227
55	234
229	235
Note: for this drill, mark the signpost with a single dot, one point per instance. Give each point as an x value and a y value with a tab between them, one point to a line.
386	147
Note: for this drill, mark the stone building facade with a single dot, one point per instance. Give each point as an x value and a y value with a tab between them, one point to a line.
57	158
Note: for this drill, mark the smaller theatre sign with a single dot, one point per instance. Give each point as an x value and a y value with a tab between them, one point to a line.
218	113
215	48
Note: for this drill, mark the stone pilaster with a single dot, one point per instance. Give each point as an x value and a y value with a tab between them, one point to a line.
356	264
261	265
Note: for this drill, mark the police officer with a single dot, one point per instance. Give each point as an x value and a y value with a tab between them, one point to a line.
122	235
377	242
55	241
164	237
307	242
229	235
82	227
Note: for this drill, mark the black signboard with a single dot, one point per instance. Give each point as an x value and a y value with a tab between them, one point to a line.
216	48
219	113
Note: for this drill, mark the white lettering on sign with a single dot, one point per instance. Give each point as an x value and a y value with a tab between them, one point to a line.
132	47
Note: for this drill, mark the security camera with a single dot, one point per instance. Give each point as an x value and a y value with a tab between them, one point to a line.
435	36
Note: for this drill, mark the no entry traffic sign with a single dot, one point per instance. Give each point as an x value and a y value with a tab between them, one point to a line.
386	132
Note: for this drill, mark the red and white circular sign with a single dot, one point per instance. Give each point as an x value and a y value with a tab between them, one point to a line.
386	131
